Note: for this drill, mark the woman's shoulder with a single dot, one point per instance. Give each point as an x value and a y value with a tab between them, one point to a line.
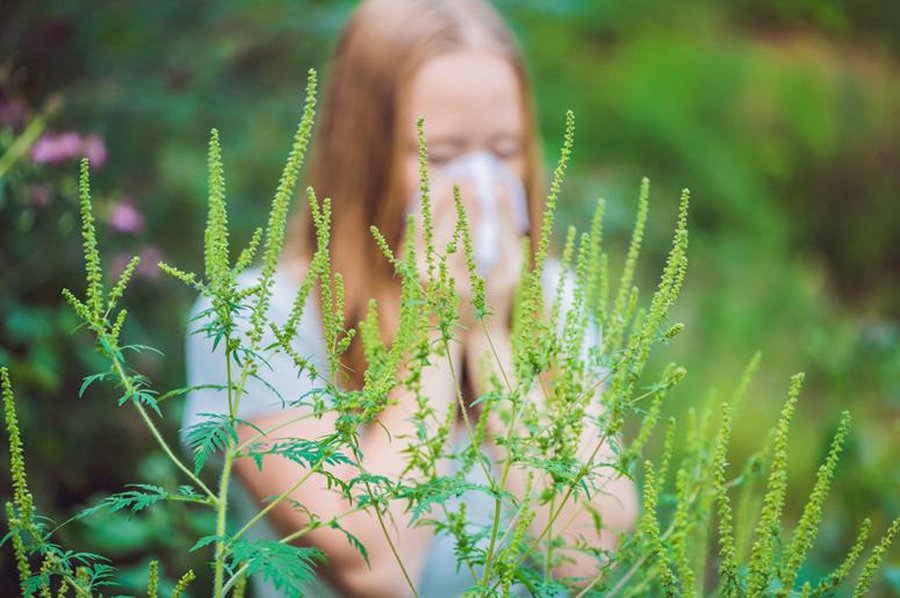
285	285
277	382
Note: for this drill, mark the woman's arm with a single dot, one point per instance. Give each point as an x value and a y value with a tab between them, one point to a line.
615	500
382	454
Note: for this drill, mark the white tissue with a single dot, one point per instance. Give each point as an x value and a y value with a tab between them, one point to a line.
484	175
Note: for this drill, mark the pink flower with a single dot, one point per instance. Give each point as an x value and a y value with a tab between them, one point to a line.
53	148
94	149
50	148
125	217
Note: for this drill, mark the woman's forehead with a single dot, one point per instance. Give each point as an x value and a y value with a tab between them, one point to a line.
465	93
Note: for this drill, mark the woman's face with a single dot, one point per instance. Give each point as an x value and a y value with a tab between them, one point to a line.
471	101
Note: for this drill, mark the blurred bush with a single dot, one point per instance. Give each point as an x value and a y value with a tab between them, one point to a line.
781	116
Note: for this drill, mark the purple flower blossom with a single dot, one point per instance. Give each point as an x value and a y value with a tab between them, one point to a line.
125	217
53	148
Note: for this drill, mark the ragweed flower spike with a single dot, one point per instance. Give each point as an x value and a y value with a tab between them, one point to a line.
561	283
673	273
321	258
183	583
805	534
249	252
21	555
728	570
871	566
593	297
576	316
762	553
535	295
19	512
153	583
275	228
94	300
22	498
216	257
839	575
119	289
425	199
475	280
741	391
650	533
617	321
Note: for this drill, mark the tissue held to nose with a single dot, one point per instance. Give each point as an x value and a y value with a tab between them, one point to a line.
486	180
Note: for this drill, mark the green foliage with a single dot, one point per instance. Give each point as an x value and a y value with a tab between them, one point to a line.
868	572
567	408
288	568
768	528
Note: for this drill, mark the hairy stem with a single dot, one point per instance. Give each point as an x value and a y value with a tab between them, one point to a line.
129	388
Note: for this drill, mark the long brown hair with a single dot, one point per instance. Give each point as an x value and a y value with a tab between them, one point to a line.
359	141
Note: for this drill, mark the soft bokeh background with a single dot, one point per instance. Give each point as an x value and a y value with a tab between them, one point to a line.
782	116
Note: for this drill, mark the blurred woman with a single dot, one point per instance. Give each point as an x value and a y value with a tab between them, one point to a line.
455	63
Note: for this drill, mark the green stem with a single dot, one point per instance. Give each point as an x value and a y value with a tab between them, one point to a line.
21	144
275	428
498	505
281	497
390	542
555	514
222	508
548	556
221	512
465	414
129	388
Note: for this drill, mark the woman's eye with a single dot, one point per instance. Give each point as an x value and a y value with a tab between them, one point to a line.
438	159
507	150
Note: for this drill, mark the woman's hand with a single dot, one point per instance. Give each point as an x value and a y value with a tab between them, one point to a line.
500	285
501	280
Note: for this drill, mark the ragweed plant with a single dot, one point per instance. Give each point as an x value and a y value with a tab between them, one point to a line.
557	410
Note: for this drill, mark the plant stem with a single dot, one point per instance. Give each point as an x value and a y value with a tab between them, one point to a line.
129	388
221	512
548	556
555	514
222	508
275	428
498	503
281	497
468	424
390	542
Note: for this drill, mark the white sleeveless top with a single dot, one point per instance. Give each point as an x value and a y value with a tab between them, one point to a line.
441	577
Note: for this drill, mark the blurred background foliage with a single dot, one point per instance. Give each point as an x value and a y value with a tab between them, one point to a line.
782	116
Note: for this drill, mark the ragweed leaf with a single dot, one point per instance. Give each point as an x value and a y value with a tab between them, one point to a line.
135	500
209	437
289	568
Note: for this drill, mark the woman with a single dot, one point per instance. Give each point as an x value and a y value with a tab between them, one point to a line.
455	63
